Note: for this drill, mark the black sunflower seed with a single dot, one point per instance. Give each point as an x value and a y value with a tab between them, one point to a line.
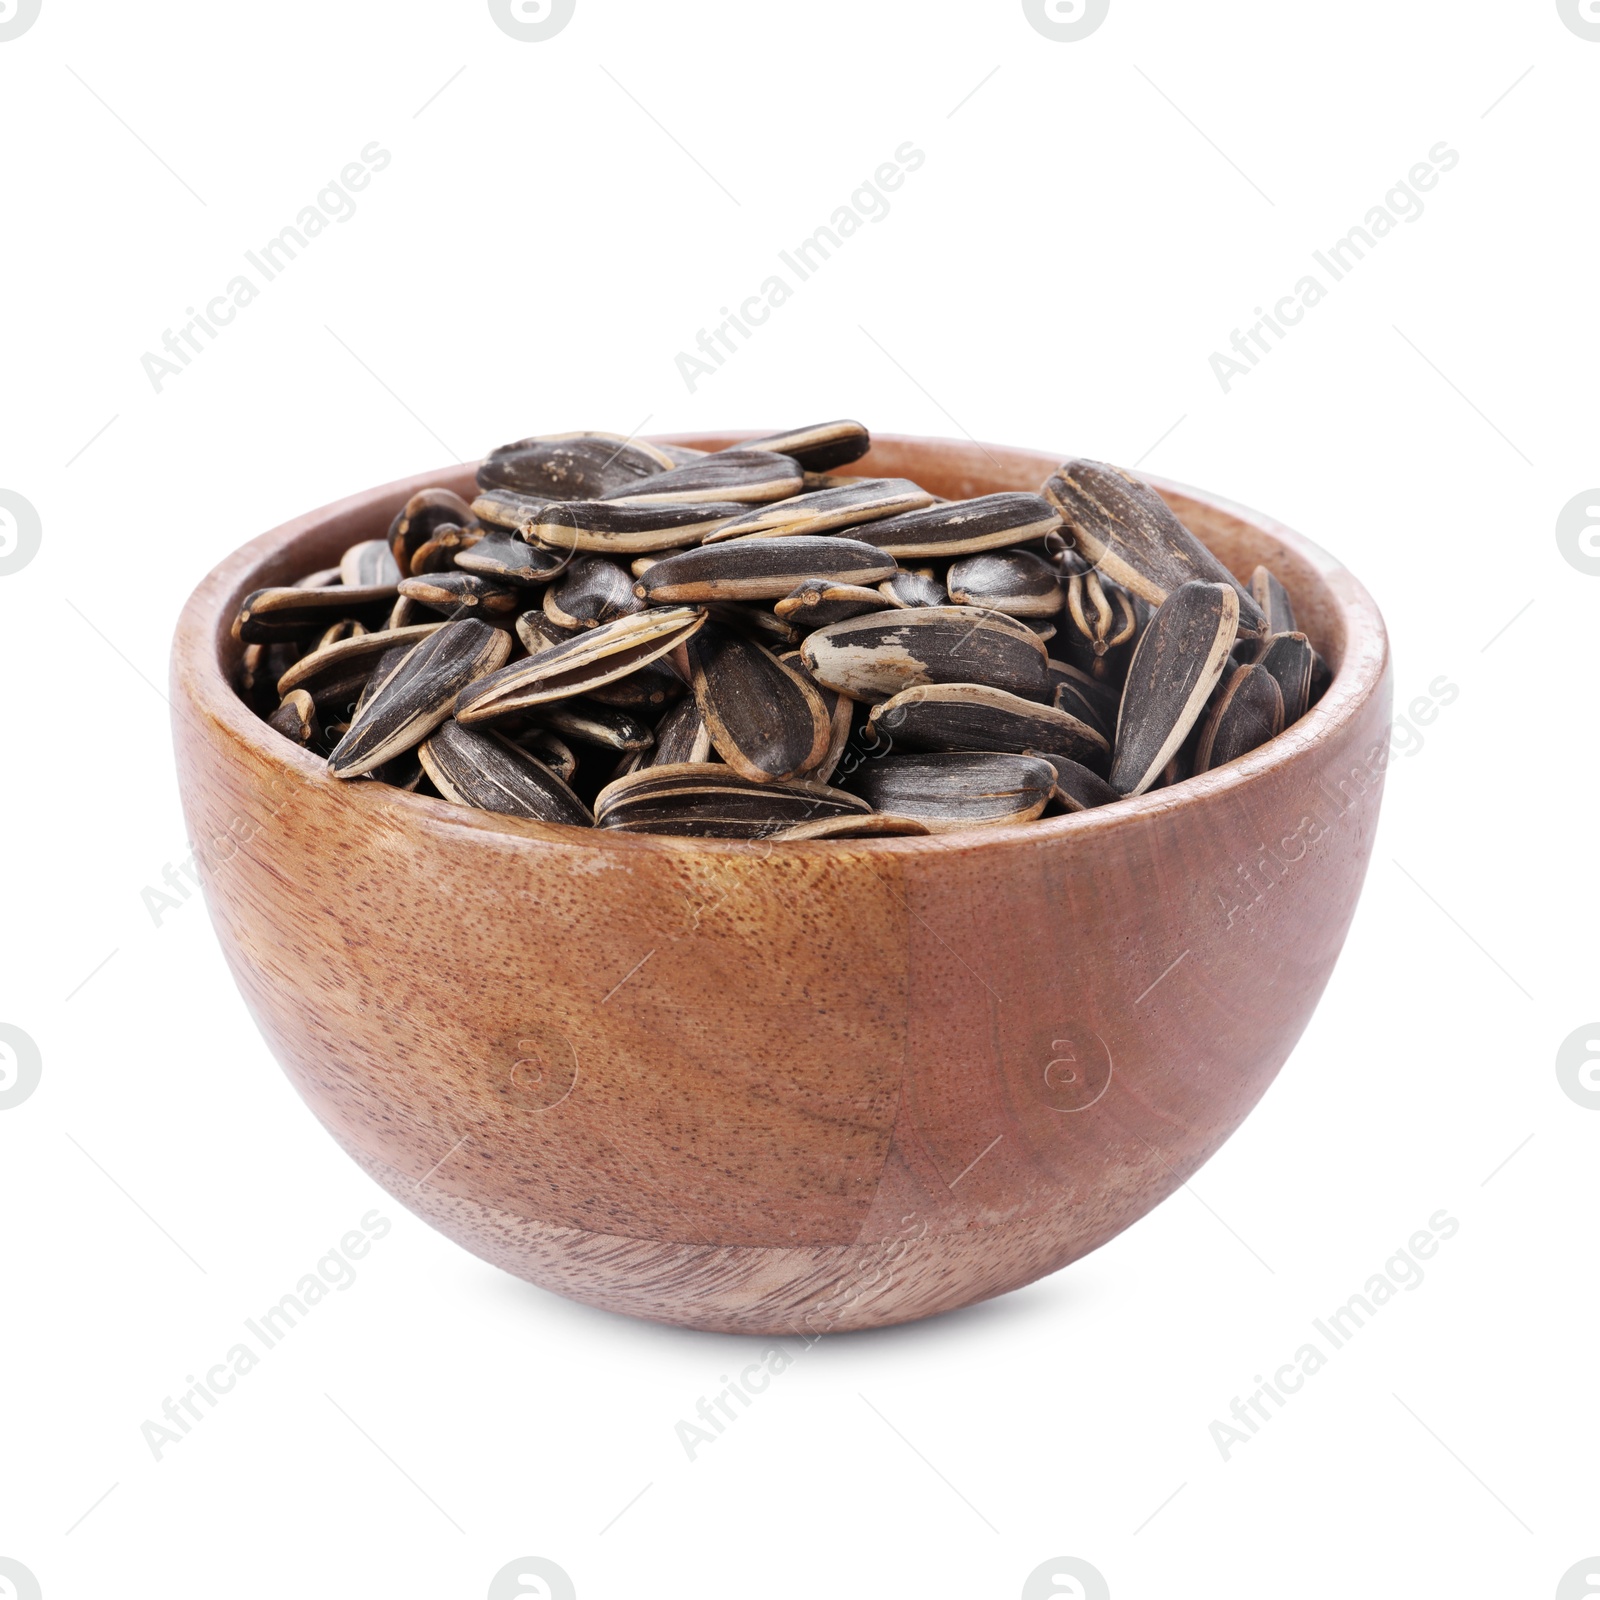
709	800
1288	657
287	616
766	721
368	564
747	476
574	666
877	655
449	592
1175	666
573	466
1246	711
1129	534
919	588
819	601
408	704
759	568
1016	582
1273	599
1077	788
591	591
296	717
972	716
819	447
502	556
620	527
483	769
420	518
827	510
585	722
949	791
962	527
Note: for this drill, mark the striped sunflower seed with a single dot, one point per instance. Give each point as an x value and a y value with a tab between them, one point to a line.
646	690
963	527
416	696
296	717
585	722
335	676
1129	534
548	747
482	769
1245	712
919	588
1074	690
1175	666
747	476
972	716
288	616
1288	657
827	510
1273	599
819	447
949	791
819	601
453	592
502	556
572	466
764	626
759	568
841	712
590	592
420	519
322	578
508	510
767	721
575	666
440	552
709	800
877	655
621	527
368	565
681	735
1105	623
1077	788
1016	582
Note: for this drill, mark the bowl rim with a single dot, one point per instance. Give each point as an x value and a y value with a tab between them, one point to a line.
199	680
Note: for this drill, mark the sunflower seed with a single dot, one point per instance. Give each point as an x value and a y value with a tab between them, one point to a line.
544	745
878	655
646	689
451	592
1129	534
439	553
507	559
748	476
764	626
1288	657
962	527
819	447
1246	712
766	721
585	722
416	696
819	601
405	613
620	527
346	628
590	592
574	666
420	518
1076	787
841	713
1175	666
760	568
949	791
826	510
336	674
484	770
872	825
1273	599
296	717
708	800
919	588
274	616
1016	582
972	716
368	564
572	466
681	736
508	510
320	579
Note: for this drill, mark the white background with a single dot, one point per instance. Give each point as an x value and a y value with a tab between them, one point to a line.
557	222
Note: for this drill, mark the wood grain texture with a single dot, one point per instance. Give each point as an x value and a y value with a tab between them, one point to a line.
775	1087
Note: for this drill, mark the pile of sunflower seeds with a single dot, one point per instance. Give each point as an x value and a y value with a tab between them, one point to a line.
748	643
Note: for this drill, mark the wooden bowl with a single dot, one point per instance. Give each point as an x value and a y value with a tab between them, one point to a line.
767	1088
